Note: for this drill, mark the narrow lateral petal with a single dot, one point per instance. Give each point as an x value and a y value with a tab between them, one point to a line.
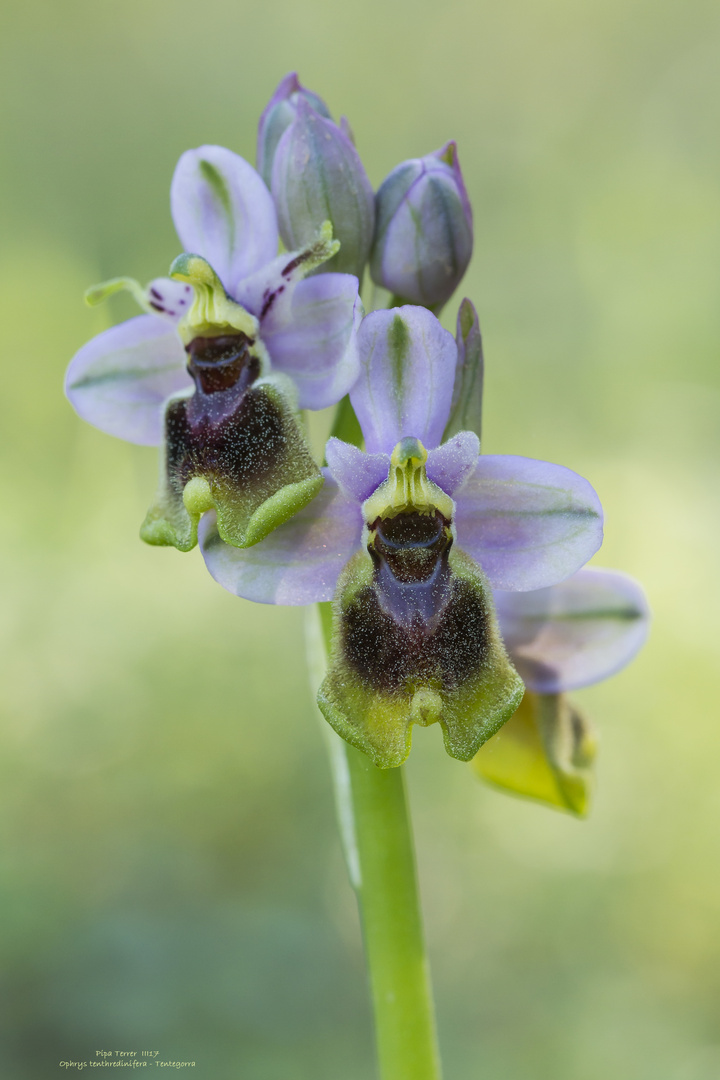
310	333
223	211
163	296
119	380
450	465
299	563
575	633
407	368
528	523
357	473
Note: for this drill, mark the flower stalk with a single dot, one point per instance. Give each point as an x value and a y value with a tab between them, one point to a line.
375	827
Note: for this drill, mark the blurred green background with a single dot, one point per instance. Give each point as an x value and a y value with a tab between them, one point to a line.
170	877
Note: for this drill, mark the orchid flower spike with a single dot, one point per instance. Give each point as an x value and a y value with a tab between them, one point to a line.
561	638
409	538
229	347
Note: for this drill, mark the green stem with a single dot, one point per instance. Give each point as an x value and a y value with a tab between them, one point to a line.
390	911
377	837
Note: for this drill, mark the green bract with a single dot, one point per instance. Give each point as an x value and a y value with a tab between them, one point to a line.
467	399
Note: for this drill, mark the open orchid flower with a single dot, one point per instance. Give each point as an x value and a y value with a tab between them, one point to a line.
410	537
228	348
561	638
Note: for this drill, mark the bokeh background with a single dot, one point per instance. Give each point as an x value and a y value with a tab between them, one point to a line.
170	877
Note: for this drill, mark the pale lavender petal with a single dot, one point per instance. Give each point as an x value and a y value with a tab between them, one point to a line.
575	633
357	473
407	369
308	325
299	563
223	211
120	379
451	464
528	523
170	299
310	332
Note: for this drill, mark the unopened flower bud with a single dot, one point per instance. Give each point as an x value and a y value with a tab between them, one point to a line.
424	233
278	115
317	176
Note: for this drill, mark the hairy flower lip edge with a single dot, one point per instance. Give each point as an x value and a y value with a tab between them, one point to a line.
461	678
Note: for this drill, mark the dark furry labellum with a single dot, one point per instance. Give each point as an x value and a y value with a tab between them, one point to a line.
416	642
233	446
